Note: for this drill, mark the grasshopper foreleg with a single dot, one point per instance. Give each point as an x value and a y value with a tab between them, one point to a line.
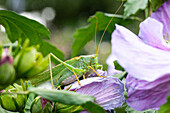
84	77
51	76
96	72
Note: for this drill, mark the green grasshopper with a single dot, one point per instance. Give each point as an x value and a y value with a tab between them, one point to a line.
77	66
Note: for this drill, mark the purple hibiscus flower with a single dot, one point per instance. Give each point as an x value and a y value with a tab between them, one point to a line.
146	58
108	92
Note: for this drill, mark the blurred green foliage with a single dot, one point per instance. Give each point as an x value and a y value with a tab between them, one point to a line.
69	10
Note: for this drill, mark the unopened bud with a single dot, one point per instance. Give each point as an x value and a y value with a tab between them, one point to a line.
41	105
7	71
13	102
29	62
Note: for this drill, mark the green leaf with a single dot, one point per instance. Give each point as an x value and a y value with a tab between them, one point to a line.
120	75
156	4
117	66
121	109
132	6
18	26
64	97
165	108
86	34
93	108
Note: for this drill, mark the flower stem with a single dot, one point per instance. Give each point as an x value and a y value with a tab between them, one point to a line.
148	10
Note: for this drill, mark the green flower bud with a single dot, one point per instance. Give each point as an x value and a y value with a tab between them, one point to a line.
40	105
7	74
40	65
13	102
7	71
36	105
25	60
29	62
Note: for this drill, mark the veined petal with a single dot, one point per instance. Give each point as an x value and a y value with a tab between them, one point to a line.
144	95
163	15
151	32
107	91
137	58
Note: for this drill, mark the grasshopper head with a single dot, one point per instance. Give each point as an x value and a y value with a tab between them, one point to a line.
95	63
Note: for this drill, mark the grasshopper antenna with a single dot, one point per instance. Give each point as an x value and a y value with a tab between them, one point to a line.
95	35
108	25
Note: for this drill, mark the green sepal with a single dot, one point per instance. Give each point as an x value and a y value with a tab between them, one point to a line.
7	74
47	108
61	108
36	106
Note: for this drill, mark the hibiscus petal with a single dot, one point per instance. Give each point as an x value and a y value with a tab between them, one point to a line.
151	32
137	58
163	15
107	91
144	95
111	68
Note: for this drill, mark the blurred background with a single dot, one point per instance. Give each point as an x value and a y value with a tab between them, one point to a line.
62	17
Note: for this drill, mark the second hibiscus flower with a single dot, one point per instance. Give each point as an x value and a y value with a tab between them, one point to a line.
146	58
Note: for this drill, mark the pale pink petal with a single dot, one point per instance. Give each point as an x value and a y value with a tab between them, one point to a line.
137	58
151	32
163	15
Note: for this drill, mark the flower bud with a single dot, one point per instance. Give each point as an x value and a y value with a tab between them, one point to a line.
7	71
29	62
25	60
40	105
13	102
40	65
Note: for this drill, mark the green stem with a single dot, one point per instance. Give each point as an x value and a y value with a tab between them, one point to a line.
148	10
